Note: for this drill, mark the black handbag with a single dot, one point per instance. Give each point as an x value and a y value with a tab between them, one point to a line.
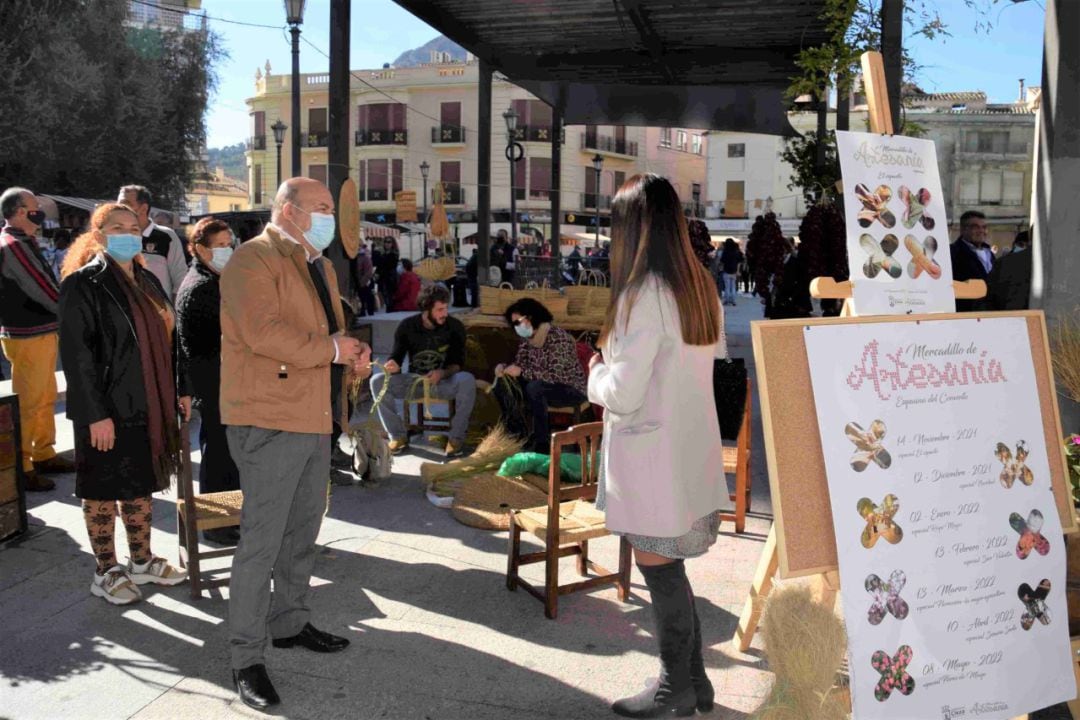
729	392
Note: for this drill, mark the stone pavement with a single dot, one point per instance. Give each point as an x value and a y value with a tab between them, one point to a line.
435	634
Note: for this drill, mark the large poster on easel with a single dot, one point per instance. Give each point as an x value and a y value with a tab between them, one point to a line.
948	536
897	232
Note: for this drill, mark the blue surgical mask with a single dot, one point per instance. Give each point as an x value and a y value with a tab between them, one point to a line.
221	256
122	248
523	330
321	232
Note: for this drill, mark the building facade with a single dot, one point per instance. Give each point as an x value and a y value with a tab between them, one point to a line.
985	157
402	118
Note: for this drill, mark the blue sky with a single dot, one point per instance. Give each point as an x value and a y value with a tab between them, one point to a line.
971	59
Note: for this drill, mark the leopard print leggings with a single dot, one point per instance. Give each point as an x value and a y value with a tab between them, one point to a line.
100	517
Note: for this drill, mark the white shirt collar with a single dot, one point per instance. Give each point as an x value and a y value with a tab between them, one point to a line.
285	234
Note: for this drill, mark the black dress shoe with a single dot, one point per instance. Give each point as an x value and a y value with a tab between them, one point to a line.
254	687
313	639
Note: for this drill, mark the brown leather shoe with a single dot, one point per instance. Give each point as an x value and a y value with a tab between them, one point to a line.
54	465
37	483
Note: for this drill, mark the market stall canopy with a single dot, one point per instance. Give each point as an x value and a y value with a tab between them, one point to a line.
711	64
375	230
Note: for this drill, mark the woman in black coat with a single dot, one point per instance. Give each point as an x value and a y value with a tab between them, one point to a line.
124	391
386	262
198	328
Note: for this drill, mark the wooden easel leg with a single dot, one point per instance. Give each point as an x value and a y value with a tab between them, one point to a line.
827	586
759	590
1074	705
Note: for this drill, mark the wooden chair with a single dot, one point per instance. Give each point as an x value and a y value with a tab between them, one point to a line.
423	422
577	413
737	463
195	513
566	525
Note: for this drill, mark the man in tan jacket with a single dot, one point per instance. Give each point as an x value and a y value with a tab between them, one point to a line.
281	330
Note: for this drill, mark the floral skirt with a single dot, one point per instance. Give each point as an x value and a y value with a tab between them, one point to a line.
694	543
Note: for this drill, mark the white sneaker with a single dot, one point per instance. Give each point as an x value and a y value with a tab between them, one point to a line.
156	570
115	586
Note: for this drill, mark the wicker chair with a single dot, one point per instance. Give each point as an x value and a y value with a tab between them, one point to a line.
195	513
566	525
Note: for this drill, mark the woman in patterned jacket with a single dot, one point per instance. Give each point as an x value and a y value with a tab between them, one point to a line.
546	370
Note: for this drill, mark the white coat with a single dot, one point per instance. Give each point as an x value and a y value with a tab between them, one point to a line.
663	461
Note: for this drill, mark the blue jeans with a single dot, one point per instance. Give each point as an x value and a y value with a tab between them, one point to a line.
730	288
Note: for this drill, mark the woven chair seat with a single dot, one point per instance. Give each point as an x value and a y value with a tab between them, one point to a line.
578	520
731	458
216	510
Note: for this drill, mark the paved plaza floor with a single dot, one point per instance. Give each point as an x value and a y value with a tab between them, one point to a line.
434	632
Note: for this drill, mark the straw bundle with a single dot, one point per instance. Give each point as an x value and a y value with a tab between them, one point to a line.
446	479
804	644
1066	353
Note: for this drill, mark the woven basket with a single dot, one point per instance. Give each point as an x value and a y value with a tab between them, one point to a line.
435	269
494	301
484	501
587	300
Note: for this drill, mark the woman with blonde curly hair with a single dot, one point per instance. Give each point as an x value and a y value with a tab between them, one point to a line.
116	342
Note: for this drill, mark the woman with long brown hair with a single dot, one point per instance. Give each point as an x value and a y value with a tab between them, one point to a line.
662	478
116	342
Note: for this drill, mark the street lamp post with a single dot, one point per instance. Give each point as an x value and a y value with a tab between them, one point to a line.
294	15
514	153
424	168
598	165
279	129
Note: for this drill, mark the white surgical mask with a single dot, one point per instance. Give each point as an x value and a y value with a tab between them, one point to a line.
220	256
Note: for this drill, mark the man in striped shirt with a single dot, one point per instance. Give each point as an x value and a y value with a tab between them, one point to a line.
28	325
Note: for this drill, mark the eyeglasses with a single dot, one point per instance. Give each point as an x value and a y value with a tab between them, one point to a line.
517	322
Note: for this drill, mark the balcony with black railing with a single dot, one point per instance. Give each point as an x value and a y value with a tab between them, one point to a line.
448	135
375	195
536	133
256	142
607	144
381	136
588	201
315	139
451	194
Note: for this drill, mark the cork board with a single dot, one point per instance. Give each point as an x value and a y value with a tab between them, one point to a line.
800	493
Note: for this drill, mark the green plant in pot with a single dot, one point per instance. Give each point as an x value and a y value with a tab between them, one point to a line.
1072	457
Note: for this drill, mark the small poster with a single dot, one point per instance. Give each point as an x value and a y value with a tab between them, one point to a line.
897	232
952	565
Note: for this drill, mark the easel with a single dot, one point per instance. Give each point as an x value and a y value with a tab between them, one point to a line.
827	582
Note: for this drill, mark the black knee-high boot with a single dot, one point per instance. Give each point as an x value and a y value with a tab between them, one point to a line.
698	677
673	611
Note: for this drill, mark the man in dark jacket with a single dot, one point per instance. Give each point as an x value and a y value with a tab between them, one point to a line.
1009	284
28	325
972	258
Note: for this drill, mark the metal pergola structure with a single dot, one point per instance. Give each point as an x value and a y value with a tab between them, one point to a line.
709	64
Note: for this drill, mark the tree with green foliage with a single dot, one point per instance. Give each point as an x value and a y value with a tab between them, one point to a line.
854	27
93	103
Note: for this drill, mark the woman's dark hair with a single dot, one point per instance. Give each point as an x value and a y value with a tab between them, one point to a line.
430	295
406	264
204	230
530	308
649	237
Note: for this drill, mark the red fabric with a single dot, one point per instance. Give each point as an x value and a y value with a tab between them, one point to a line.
585	353
408	288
